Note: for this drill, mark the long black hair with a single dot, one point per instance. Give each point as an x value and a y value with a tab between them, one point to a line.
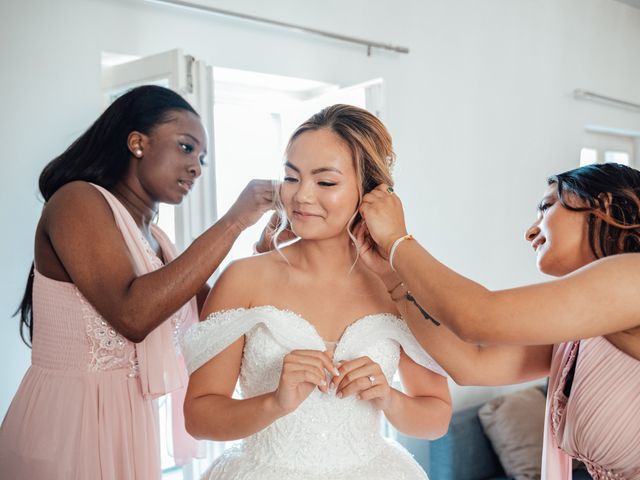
101	155
610	193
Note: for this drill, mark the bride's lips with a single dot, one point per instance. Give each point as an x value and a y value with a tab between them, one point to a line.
304	215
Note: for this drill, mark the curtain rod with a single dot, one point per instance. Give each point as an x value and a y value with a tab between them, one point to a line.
585	94
218	11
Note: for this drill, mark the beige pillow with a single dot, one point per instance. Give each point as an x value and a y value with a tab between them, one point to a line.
514	424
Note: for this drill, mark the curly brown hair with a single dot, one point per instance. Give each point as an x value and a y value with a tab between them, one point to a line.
610	192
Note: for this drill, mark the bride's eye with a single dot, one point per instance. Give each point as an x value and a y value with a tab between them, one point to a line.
290	179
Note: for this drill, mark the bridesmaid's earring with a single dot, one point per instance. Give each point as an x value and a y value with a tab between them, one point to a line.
138	153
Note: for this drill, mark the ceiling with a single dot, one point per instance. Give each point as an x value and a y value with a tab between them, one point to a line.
633	3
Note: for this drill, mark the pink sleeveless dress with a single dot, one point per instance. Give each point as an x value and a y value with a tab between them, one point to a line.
599	423
85	409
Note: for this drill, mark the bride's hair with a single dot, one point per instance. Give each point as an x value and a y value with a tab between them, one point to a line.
370	145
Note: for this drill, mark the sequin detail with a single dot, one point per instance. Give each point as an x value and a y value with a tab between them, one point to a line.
108	349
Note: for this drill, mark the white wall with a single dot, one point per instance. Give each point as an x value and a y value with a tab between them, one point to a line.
481	109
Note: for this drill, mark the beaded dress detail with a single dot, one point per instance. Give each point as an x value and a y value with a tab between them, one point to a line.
325	437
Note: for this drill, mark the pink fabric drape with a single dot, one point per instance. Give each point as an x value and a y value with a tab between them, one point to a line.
161	367
556	464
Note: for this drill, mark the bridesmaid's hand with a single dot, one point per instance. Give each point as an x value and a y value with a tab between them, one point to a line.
265	242
302	371
373	257
382	211
364	378
256	199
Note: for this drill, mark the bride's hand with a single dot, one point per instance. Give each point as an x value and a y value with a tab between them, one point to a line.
364	378
302	371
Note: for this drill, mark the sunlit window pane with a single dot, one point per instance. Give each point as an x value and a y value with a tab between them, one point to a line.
616	157
588	156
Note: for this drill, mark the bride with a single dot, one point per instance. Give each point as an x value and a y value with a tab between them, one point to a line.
312	336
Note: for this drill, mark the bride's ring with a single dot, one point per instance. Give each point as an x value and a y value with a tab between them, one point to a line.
372	379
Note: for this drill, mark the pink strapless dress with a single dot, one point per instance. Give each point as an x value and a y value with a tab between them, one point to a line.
85	409
599	423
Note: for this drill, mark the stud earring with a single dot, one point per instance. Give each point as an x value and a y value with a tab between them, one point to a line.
138	153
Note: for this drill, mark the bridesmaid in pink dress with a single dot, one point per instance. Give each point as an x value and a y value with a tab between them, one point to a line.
107	295
582	329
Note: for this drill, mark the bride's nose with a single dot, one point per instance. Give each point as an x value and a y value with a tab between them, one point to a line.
304	193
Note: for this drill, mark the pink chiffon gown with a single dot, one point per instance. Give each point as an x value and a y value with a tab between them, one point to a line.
599	422
85	409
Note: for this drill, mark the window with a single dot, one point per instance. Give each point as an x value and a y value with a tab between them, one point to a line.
609	145
588	156
611	156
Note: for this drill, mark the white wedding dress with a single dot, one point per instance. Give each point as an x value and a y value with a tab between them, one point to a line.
325	437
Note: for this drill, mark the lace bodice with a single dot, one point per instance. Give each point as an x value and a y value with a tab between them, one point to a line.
326	434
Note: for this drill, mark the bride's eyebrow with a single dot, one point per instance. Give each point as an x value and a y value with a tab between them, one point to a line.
325	169
292	166
315	170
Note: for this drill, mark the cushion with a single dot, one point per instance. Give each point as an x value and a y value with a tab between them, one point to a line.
514	424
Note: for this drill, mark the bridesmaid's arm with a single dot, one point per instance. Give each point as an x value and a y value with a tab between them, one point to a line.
201	297
600	298
472	364
81	228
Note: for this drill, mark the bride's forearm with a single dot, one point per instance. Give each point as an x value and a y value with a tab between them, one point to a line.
220	418
421	417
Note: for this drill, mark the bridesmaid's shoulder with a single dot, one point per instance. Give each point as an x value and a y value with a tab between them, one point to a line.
77	199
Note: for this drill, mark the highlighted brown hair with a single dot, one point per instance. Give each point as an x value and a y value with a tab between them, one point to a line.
368	140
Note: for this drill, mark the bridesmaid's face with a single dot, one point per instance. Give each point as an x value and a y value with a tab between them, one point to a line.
559	236
172	157
320	189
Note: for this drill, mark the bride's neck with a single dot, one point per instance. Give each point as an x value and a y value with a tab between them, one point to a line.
328	256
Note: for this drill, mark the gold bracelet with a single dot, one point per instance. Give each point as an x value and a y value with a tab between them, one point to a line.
392	251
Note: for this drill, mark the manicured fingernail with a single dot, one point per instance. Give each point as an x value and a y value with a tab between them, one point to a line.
324	383
339	395
336	372
332	385
358	397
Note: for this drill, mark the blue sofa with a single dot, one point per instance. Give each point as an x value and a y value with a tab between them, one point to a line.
464	453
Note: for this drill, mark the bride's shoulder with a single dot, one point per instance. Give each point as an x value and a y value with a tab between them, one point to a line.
257	268
243	281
